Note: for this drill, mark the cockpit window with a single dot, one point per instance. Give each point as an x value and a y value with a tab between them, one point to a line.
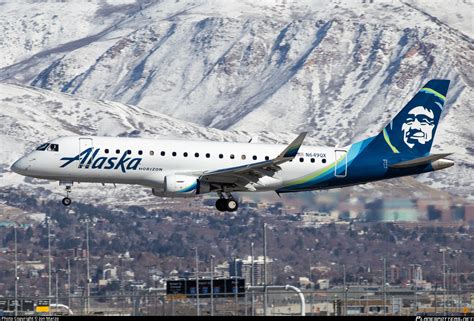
49	147
42	146
53	147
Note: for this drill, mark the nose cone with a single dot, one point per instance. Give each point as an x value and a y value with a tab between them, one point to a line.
20	166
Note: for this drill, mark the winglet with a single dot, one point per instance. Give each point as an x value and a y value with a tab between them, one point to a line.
292	149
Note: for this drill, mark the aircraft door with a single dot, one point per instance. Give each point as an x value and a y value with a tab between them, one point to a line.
84	143
340	169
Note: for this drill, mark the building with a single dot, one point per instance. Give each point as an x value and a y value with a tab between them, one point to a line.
415	273
469	213
109	273
323	284
235	267
311	218
351	208
222	270
32	265
441	205
243	268
457	212
304	282
394	274
395	210
80	253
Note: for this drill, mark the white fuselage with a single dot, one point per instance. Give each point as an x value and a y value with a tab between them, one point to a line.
150	160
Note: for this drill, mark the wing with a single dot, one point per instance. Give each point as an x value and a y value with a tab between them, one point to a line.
242	176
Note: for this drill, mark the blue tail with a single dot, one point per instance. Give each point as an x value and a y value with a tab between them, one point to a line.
412	131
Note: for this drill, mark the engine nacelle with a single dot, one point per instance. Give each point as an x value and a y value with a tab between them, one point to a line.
182	186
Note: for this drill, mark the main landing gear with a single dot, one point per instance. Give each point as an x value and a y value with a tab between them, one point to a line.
228	204
67	201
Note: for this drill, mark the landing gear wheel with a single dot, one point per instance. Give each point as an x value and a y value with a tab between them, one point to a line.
228	204
231	205
66	201
221	205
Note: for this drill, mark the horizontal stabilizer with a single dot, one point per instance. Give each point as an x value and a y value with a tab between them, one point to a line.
419	161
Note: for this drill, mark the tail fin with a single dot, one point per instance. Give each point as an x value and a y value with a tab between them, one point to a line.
412	130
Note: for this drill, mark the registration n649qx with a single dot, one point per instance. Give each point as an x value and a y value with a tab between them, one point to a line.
177	168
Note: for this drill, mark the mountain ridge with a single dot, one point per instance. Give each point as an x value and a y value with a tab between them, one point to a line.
339	70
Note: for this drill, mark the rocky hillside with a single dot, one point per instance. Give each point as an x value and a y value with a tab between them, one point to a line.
338	69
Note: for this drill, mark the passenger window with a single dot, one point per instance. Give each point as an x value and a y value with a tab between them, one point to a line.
185	154
106	151
163	153
152	153
267	158
42	146
129	152
140	152
117	151
232	156
243	157
221	156
312	160
301	159
324	160
254	157
196	155
208	155
173	153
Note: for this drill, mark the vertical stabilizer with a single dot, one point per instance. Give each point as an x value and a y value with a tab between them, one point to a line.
412	130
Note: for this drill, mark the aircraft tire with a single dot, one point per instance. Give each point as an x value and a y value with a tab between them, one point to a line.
231	205
66	201
221	205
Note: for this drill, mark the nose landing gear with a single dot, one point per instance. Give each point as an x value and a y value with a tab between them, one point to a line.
228	204
67	201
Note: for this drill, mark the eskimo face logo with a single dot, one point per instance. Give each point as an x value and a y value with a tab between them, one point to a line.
418	127
89	159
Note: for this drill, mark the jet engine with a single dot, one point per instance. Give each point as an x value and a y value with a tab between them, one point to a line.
181	186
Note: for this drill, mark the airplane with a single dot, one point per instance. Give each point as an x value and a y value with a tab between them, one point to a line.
178	168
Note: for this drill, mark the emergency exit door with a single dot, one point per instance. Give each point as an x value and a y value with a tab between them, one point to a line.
340	168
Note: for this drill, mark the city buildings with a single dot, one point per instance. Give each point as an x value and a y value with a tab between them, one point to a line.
243	268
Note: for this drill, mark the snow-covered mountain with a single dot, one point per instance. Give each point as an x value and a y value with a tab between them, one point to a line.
30	116
338	69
